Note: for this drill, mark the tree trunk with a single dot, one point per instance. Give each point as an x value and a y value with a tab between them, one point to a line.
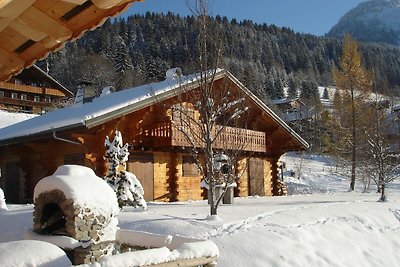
383	196
353	149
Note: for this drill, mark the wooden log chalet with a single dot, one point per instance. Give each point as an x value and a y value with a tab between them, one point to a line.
159	153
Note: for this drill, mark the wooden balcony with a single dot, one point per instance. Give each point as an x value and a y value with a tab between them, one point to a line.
27	103
166	134
31	89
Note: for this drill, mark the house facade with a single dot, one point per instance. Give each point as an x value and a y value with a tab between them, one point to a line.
159	153
32	91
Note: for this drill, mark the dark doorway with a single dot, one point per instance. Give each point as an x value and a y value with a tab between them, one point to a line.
256	177
52	220
12	182
141	164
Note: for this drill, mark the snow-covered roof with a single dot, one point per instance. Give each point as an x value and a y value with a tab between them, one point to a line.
101	109
111	106
284	100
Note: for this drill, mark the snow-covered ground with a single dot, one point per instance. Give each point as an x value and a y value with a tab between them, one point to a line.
9	118
321	224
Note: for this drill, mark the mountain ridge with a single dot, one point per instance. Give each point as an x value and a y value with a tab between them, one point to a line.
371	21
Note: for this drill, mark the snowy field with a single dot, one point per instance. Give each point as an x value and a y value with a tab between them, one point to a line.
9	118
320	224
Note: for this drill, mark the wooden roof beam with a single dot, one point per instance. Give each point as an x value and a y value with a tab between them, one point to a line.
12	62
106	4
36	25
75	2
11	9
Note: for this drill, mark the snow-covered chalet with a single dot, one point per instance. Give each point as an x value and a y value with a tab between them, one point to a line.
159	154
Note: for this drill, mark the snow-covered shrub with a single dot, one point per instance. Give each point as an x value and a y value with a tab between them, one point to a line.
3	205
127	187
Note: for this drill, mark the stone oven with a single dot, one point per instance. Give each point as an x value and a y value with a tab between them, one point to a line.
76	203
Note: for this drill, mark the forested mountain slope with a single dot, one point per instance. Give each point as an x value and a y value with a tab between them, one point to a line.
373	21
138	50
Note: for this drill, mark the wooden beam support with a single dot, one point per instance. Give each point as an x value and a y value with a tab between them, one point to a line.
75	2
36	25
11	9
10	61
106	4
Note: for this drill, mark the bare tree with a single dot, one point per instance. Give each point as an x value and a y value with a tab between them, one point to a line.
382	162
206	116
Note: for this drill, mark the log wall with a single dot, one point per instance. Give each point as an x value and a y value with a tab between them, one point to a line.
188	187
243	182
162	176
268	186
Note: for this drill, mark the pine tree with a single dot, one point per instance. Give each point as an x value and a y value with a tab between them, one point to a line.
123	64
292	87
127	187
325	94
353	79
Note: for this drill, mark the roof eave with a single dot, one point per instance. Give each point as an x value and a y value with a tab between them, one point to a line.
39	135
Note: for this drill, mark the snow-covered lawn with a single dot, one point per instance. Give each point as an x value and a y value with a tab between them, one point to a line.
9	118
331	227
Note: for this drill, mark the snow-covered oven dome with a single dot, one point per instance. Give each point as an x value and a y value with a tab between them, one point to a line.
75	202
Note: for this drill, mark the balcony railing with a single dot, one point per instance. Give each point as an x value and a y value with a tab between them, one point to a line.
230	138
31	89
22	102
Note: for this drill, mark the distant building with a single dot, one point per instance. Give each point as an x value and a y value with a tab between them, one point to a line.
292	109
32	91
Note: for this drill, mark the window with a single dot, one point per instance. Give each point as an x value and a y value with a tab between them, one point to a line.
1	93
24	96
14	95
47	99
36	98
17	81
189	167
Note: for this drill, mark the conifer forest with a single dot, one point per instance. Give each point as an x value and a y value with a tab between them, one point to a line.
131	51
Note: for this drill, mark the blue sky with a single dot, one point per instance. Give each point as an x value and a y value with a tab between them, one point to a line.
307	16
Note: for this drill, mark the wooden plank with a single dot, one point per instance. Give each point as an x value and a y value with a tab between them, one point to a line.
267	178
242	170
256	177
141	164
13	8
10	59
4	23
36	25
106	4
75	2
54	8
14	39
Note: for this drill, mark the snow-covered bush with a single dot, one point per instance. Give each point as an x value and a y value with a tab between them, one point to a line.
127	187
32	253
3	205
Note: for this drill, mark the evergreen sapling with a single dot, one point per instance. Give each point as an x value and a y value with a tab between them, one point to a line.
127	187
